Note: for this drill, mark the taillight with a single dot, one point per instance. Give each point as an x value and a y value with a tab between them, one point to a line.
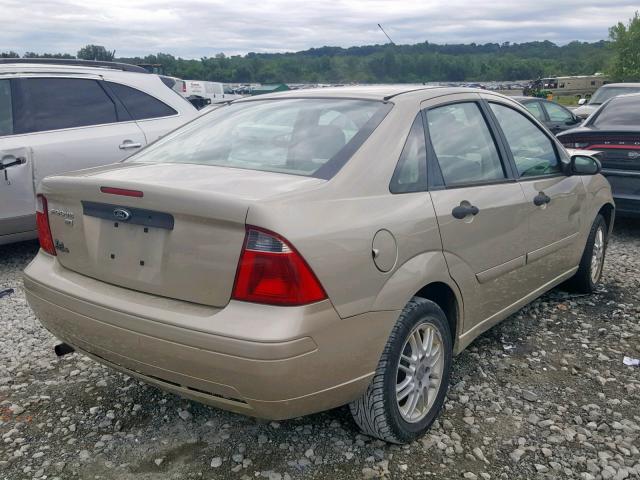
271	271
42	221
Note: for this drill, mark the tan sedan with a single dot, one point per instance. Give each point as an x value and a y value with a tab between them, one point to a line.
287	254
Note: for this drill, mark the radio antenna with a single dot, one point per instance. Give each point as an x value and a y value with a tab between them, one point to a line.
385	33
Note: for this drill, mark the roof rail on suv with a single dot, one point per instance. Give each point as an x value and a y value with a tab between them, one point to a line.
125	67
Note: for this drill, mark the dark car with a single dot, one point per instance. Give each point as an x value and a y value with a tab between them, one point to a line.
614	131
556	117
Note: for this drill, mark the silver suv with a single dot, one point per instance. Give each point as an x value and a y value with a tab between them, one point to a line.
57	116
603	94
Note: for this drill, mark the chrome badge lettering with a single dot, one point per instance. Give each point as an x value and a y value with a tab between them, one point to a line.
62	213
633	154
122	214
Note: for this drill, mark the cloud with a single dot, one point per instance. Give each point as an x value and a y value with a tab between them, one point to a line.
195	28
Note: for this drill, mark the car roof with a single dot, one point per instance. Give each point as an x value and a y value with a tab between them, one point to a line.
367	92
631	85
523	98
627	95
43	67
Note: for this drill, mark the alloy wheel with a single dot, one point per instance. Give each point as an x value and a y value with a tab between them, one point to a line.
419	372
597	255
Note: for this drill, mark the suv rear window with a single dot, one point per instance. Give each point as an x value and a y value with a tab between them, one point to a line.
140	105
310	137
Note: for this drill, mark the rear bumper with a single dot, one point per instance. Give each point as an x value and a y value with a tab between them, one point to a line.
269	362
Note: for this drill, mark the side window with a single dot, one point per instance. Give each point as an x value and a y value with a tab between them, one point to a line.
557	113
463	144
533	152
43	104
6	109
410	174
140	105
536	110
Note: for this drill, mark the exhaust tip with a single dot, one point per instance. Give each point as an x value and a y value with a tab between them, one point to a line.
63	349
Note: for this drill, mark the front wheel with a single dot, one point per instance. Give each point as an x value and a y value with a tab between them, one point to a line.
589	272
411	380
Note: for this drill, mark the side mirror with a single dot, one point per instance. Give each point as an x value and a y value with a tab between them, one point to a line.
575	119
584	165
582	101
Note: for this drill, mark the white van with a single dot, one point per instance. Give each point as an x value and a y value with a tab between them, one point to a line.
214	91
57	116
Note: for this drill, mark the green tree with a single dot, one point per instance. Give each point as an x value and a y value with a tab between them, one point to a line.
9	54
96	52
625	42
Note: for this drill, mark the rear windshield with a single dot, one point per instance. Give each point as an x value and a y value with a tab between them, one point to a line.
621	111
310	137
605	93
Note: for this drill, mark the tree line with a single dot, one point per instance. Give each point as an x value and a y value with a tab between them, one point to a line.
422	62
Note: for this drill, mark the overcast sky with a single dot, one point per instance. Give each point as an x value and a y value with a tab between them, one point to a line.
195	28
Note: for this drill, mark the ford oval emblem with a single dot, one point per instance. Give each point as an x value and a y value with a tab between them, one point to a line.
122	214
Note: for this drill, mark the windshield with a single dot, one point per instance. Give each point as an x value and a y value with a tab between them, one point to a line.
621	111
605	93
311	137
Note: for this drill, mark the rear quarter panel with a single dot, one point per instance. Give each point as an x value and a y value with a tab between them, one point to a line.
333	226
336	238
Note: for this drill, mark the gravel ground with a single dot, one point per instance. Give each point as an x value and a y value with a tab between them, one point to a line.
545	394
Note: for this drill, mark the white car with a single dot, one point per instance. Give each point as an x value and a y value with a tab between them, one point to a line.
57	116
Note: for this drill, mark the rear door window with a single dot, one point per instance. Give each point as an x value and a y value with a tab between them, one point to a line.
43	104
557	113
6	110
140	105
533	152
536	110
463	144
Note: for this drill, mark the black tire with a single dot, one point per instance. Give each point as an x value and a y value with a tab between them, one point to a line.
582	281
377	412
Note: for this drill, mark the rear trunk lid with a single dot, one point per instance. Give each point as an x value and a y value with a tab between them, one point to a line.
181	239
619	149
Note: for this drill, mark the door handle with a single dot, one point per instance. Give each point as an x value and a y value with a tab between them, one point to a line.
129	144
464	210
16	161
541	199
